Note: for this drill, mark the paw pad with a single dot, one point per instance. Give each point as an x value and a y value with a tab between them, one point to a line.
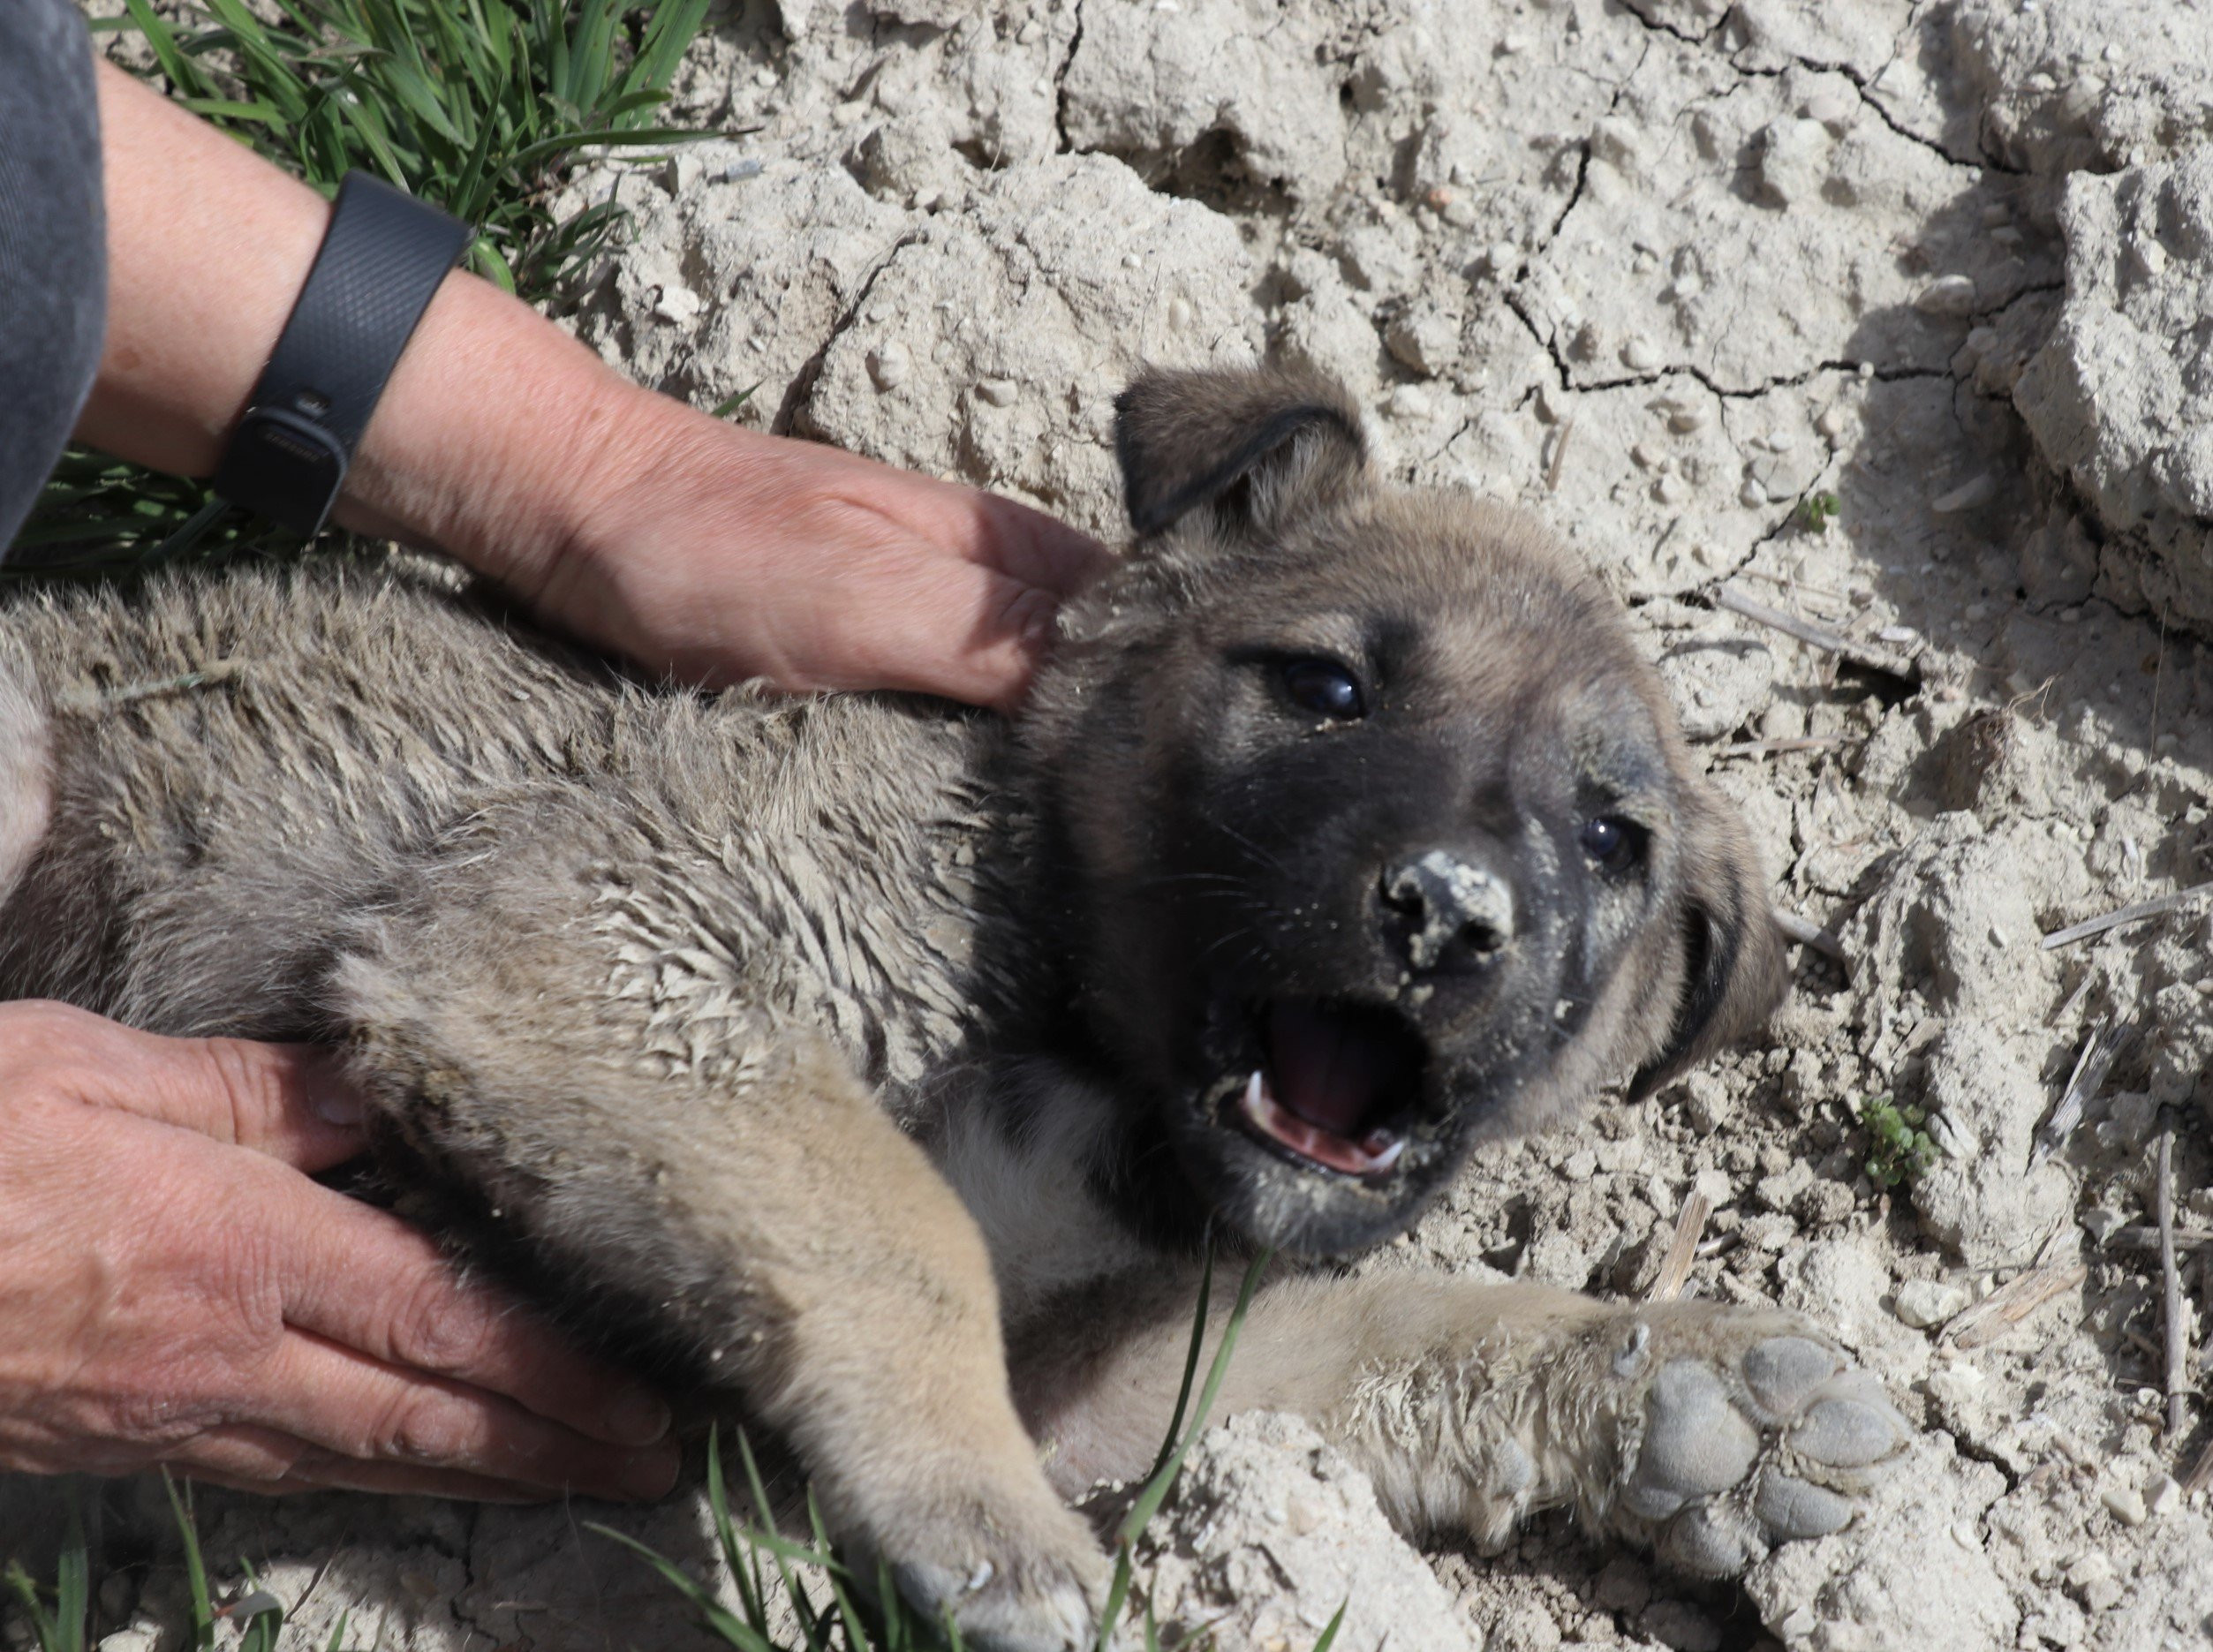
1750	1439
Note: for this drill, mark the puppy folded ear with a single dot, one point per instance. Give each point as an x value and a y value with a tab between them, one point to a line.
1733	974
1247	448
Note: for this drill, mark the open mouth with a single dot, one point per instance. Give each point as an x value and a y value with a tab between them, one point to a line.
1336	1084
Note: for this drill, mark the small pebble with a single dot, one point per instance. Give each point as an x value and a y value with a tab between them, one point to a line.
1899	634
1922	1303
1639	356
1781	441
1179	312
1752	492
1947	295
1028	33
850	113
1130	260
764	76
1687	285
1967	496
998	392
1831	424
1645	456
2125	1504
1976	612
1838	113
1670	489
1408	402
887	364
2149	257
1683	421
1502	259
2163	1495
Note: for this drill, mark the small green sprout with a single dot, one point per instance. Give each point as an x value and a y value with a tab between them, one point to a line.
1816	511
1898	1150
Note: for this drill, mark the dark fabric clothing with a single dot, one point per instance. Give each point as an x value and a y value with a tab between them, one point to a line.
53	243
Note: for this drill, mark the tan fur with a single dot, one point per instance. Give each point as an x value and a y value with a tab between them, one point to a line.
794	1048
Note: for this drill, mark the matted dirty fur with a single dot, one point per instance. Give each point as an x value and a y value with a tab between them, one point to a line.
875	1067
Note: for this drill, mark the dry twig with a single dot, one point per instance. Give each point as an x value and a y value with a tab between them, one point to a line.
2157	906
1769	748
2090	1068
2171	1287
2146	1237
1559	456
1682	1249
1817	635
1806	933
2007	1305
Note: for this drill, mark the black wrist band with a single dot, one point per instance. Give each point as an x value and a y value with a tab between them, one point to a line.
382	260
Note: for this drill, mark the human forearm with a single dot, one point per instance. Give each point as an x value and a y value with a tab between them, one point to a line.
482	441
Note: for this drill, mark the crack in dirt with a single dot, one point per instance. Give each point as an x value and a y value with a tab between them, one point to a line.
1654	25
802	387
1702	375
1065	144
1861	85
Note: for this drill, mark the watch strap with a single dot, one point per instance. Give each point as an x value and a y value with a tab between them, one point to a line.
383	256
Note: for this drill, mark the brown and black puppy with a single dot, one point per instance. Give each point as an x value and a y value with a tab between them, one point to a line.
875	1066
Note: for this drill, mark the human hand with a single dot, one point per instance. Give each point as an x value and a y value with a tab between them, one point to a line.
718	554
174	1290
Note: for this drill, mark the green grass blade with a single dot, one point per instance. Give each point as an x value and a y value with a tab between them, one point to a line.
337	1633
1156	1489
1337	1622
184	76
1190	1357
72	1584
724	1622
195	1567
676	25
729	404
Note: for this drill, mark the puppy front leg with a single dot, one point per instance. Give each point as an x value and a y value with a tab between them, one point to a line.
778	1230
1708	1432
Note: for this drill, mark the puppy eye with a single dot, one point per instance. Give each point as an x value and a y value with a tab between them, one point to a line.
1325	688
1611	843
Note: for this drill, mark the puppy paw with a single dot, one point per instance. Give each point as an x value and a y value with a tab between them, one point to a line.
1734	1431
1014	1575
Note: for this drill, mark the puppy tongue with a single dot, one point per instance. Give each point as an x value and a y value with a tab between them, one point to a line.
1323	1068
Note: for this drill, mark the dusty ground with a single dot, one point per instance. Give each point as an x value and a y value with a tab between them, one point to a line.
1664	271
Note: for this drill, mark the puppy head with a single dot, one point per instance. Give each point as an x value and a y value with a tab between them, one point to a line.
1378	836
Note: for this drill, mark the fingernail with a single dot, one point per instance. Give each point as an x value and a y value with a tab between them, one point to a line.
639	1418
339	1107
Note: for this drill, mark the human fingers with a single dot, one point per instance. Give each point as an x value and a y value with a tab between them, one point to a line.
358	1410
1028	545
247	1457
287	1100
1037	548
366	1281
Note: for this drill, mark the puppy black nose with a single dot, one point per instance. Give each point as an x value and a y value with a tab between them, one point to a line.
1459	912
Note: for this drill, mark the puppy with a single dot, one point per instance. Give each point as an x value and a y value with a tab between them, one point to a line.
877	1067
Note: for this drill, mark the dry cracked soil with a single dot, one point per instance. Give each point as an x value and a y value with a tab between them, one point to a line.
1892	316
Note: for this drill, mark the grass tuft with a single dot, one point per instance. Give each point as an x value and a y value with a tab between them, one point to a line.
476	105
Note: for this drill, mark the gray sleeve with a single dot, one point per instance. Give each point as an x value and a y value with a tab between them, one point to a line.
53	243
